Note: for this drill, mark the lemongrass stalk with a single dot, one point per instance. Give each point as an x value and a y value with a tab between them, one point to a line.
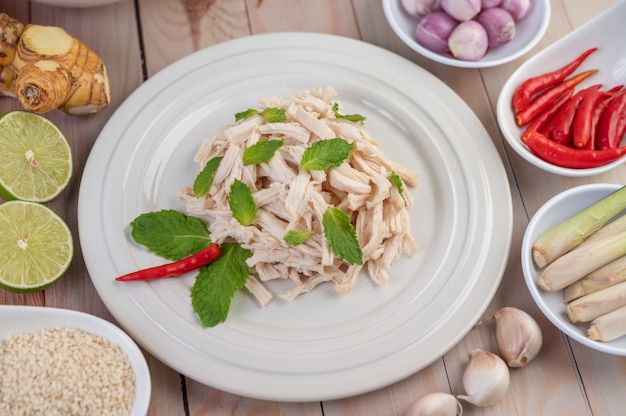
613	227
608	327
581	261
571	232
590	307
606	276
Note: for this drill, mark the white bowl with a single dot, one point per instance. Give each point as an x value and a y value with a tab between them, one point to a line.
528	32
605	32
551	304
24	319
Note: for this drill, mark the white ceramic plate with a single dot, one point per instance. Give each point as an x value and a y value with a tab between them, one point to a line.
528	32
601	32
323	345
23	319
551	304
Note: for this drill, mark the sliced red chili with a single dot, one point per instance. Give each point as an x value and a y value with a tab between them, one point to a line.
177	268
570	157
523	94
543	119
560	127
612	122
546	98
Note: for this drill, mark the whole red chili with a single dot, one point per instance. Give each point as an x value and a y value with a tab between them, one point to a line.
595	118
177	268
543	119
546	98
570	157
559	128
523	94
582	125
612	122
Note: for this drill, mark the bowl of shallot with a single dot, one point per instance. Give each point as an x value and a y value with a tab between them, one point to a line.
469	33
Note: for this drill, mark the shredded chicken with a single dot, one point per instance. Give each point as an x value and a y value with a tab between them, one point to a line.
288	198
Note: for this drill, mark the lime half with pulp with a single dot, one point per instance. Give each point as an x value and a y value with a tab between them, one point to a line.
35	157
36	246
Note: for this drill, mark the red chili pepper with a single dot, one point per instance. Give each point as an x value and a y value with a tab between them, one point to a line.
177	268
582	125
595	119
612	122
543	119
560	127
570	157
524	93
546	98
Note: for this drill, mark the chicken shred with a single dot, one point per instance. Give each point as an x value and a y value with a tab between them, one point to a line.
291	199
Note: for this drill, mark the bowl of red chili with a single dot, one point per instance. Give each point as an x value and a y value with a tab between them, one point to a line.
564	110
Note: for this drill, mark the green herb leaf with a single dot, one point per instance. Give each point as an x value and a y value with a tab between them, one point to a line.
341	236
325	154
204	180
242	203
170	233
297	237
217	283
357	118
395	179
245	114
274	115
261	151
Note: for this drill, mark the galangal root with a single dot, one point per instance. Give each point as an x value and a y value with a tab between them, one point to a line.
47	69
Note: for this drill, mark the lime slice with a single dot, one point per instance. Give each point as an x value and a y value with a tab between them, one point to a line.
35	157
36	246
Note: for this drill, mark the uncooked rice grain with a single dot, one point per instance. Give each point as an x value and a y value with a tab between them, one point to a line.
64	371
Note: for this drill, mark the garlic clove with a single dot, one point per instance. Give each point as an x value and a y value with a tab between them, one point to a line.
435	404
518	335
485	379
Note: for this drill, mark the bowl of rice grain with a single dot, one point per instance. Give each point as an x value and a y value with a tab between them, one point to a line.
60	361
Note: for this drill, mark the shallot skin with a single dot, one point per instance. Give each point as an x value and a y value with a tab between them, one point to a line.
419	8
468	41
519	9
499	25
487	4
461	10
433	31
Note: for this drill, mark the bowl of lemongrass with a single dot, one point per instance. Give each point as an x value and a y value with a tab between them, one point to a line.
574	264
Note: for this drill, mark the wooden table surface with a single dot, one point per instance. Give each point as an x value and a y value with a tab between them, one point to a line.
138	38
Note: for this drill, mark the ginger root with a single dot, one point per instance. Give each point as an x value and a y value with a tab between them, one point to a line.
46	68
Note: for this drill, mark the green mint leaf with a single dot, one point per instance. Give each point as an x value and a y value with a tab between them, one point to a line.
204	180
245	114
241	203
217	283
395	179
261	151
325	154
274	115
297	237
341	236
357	118
170	233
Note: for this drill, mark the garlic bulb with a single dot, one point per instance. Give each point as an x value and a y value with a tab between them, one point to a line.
485	379
518	335
435	404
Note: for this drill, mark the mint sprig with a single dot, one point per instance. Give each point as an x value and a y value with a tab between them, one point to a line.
297	237
170	233
241	203
397	182
245	114
204	180
356	118
341	236
325	154
270	114
261	151
217	283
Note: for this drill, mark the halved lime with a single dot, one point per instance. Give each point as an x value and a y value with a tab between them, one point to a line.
36	246
35	157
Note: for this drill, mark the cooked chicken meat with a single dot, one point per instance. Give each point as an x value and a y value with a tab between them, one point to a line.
288	198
